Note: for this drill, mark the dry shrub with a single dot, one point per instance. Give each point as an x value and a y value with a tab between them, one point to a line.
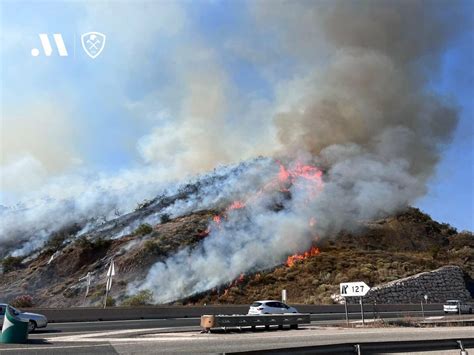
23	301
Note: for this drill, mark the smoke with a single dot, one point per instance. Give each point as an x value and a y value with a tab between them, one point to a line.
86	200
374	97
113	206
363	110
348	88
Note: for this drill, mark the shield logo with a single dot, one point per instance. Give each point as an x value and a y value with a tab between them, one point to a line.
93	43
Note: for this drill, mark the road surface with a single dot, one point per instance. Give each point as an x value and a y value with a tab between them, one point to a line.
169	340
182	335
317	319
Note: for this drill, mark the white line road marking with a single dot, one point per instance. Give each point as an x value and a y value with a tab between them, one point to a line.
122	321
148	335
108	333
173	337
53	347
130	340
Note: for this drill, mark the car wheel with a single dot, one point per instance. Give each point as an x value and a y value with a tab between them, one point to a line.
31	326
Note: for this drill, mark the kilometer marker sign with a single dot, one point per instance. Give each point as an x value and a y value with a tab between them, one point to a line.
353	289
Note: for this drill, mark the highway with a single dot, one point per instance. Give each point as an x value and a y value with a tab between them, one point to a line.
316	319
182	335
188	341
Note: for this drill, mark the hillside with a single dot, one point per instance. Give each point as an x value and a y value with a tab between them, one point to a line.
381	251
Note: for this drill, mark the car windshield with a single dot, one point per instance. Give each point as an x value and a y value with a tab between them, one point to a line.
452	302
15	311
256	304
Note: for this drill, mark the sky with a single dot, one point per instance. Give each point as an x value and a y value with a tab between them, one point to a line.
170	67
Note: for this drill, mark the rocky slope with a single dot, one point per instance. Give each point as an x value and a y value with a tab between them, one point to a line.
382	251
447	282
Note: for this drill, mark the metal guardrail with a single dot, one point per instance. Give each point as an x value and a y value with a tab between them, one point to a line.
374	348
209	322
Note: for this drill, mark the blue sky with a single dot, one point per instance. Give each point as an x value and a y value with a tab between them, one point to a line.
165	61
450	196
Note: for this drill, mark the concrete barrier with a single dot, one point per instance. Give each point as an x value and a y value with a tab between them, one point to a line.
83	314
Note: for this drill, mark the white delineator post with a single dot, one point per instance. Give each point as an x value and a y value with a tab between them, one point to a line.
108	284
283	296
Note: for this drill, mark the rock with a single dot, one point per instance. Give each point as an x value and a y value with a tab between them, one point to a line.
440	285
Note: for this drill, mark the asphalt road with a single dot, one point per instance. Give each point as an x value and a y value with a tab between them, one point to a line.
154	341
81	327
181	335
317	319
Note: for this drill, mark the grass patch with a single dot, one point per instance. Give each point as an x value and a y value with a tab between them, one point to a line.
11	263
143	230
142	298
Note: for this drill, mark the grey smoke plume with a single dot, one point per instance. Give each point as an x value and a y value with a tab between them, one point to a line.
362	110
354	99
373	91
82	200
111	207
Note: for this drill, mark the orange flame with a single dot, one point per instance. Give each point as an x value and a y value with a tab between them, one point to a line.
292	259
284	174
300	175
236	282
236	205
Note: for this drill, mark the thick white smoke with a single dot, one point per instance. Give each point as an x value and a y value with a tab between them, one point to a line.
354	99
105	207
85	200
363	112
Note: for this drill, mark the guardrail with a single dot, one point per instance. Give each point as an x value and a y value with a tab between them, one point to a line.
373	348
209	322
82	314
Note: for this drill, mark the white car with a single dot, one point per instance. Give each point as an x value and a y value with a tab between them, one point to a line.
456	306
270	307
34	320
